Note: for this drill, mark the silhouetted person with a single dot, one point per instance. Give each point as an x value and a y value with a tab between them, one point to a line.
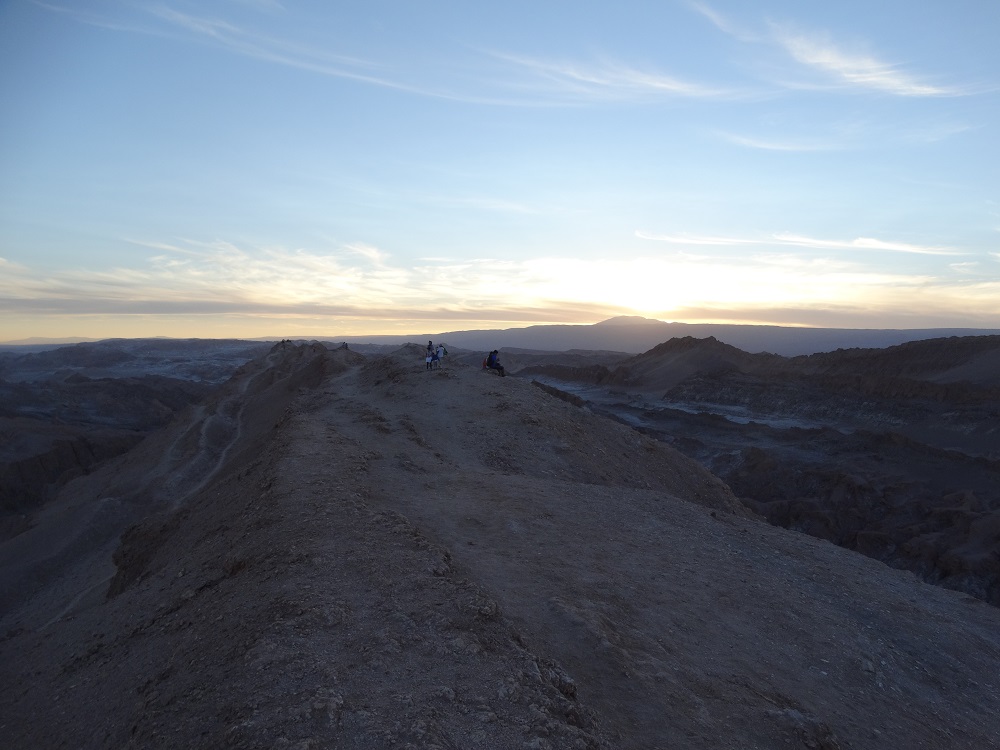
493	362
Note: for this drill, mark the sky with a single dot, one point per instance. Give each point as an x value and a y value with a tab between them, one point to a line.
255	168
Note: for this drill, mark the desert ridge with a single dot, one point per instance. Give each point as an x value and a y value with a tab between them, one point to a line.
340	550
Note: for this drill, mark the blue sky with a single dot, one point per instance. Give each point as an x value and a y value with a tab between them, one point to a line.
280	168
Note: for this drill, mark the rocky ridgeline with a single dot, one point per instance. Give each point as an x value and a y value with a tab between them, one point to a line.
334	550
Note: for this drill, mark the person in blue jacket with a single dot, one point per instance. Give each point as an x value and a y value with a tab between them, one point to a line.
493	362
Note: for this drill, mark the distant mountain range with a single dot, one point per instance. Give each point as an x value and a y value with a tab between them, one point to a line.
633	335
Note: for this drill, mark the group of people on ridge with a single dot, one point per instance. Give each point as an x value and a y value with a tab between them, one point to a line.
434	355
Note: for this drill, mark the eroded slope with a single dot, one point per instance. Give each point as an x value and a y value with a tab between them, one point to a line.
360	553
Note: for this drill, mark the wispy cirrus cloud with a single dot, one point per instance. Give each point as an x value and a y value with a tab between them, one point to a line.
12	273
969	267
94	18
242	41
866	243
817	51
858	70
168	22
606	80
358	276
522	81
354	282
265	5
793	240
724	23
934	132
165	21
775	144
491	204
845	135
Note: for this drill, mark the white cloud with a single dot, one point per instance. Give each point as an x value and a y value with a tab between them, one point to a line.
859	70
535	81
361	285
607	80
265	5
92	18
777	145
723	23
859	243
866	243
167	22
368	252
203	274
485	203
851	68
10	266
238	40
935	132
696	239
970	267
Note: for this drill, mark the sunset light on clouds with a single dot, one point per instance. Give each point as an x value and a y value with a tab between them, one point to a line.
262	168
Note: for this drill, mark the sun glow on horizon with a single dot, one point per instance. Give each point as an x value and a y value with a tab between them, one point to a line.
311	169
231	291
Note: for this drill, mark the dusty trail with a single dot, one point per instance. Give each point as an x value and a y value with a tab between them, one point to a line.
173	476
70	547
186	470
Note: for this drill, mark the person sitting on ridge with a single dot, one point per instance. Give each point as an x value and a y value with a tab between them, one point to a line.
493	362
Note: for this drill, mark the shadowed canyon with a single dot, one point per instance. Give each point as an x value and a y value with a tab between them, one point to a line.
892	452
